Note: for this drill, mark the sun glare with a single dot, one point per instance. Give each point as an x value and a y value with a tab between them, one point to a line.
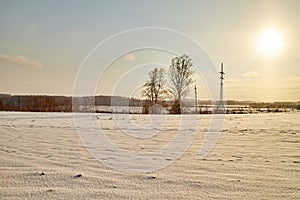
270	42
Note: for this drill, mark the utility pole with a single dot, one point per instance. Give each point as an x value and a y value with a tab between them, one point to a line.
196	100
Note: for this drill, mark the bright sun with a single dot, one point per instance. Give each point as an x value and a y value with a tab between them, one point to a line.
270	42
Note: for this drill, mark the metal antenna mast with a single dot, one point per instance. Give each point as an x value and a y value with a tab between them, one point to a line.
221	106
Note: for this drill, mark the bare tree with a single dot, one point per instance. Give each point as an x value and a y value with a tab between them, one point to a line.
155	86
180	74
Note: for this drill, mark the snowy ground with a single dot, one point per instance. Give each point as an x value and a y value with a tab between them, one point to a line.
256	157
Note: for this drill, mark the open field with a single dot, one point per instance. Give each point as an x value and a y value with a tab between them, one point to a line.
256	157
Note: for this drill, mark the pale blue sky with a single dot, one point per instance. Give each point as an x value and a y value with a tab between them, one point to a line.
43	43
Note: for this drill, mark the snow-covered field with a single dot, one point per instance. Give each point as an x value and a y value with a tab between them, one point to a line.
42	157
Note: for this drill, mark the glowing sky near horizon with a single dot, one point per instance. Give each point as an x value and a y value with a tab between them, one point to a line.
43	44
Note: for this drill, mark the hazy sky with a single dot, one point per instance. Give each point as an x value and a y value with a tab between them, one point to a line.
43	44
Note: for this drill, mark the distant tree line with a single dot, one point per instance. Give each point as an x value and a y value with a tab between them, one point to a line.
41	103
35	103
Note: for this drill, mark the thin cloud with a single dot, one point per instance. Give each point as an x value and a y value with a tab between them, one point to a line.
293	78
251	74
129	57
20	60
